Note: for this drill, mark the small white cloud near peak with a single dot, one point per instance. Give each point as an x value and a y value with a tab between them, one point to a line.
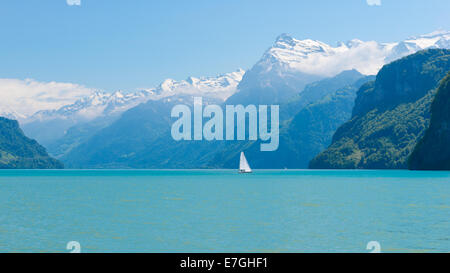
374	2
73	2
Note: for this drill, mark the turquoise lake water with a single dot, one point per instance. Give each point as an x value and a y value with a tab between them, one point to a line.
222	211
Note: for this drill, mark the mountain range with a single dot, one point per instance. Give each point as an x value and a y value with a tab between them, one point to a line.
308	123
101	108
314	83
388	116
138	140
289	62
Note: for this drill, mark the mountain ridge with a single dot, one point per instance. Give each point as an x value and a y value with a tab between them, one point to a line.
390	115
20	152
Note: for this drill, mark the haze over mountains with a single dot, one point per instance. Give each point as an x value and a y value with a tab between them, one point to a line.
312	81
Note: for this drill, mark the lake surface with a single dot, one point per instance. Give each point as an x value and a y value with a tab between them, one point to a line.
222	211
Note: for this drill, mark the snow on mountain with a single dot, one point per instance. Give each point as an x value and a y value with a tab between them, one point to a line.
102	108
100	104
289	55
284	69
220	87
437	39
47	126
317	58
290	64
30	100
93	106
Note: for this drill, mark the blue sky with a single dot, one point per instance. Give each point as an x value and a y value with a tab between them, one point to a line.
118	44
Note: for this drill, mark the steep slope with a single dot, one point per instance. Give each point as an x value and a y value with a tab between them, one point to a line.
390	117
19	152
433	151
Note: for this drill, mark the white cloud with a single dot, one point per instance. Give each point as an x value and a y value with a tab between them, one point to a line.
73	2
25	97
374	2
367	58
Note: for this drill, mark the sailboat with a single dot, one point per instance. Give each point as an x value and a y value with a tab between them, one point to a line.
243	165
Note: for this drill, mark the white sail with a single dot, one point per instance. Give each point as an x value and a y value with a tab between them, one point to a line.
243	165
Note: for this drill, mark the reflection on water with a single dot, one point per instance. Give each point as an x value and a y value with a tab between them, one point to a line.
221	211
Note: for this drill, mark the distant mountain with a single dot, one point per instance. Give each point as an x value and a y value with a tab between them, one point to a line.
284	70
63	129
141	137
50	125
317	90
290	64
433	151
389	116
293	73
273	79
119	144
309	131
220	87
19	152
437	39
77	134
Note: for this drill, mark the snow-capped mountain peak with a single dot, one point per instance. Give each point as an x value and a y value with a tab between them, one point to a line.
290	64
220	87
317	58
102	104
438	34
436	39
287	49
93	106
